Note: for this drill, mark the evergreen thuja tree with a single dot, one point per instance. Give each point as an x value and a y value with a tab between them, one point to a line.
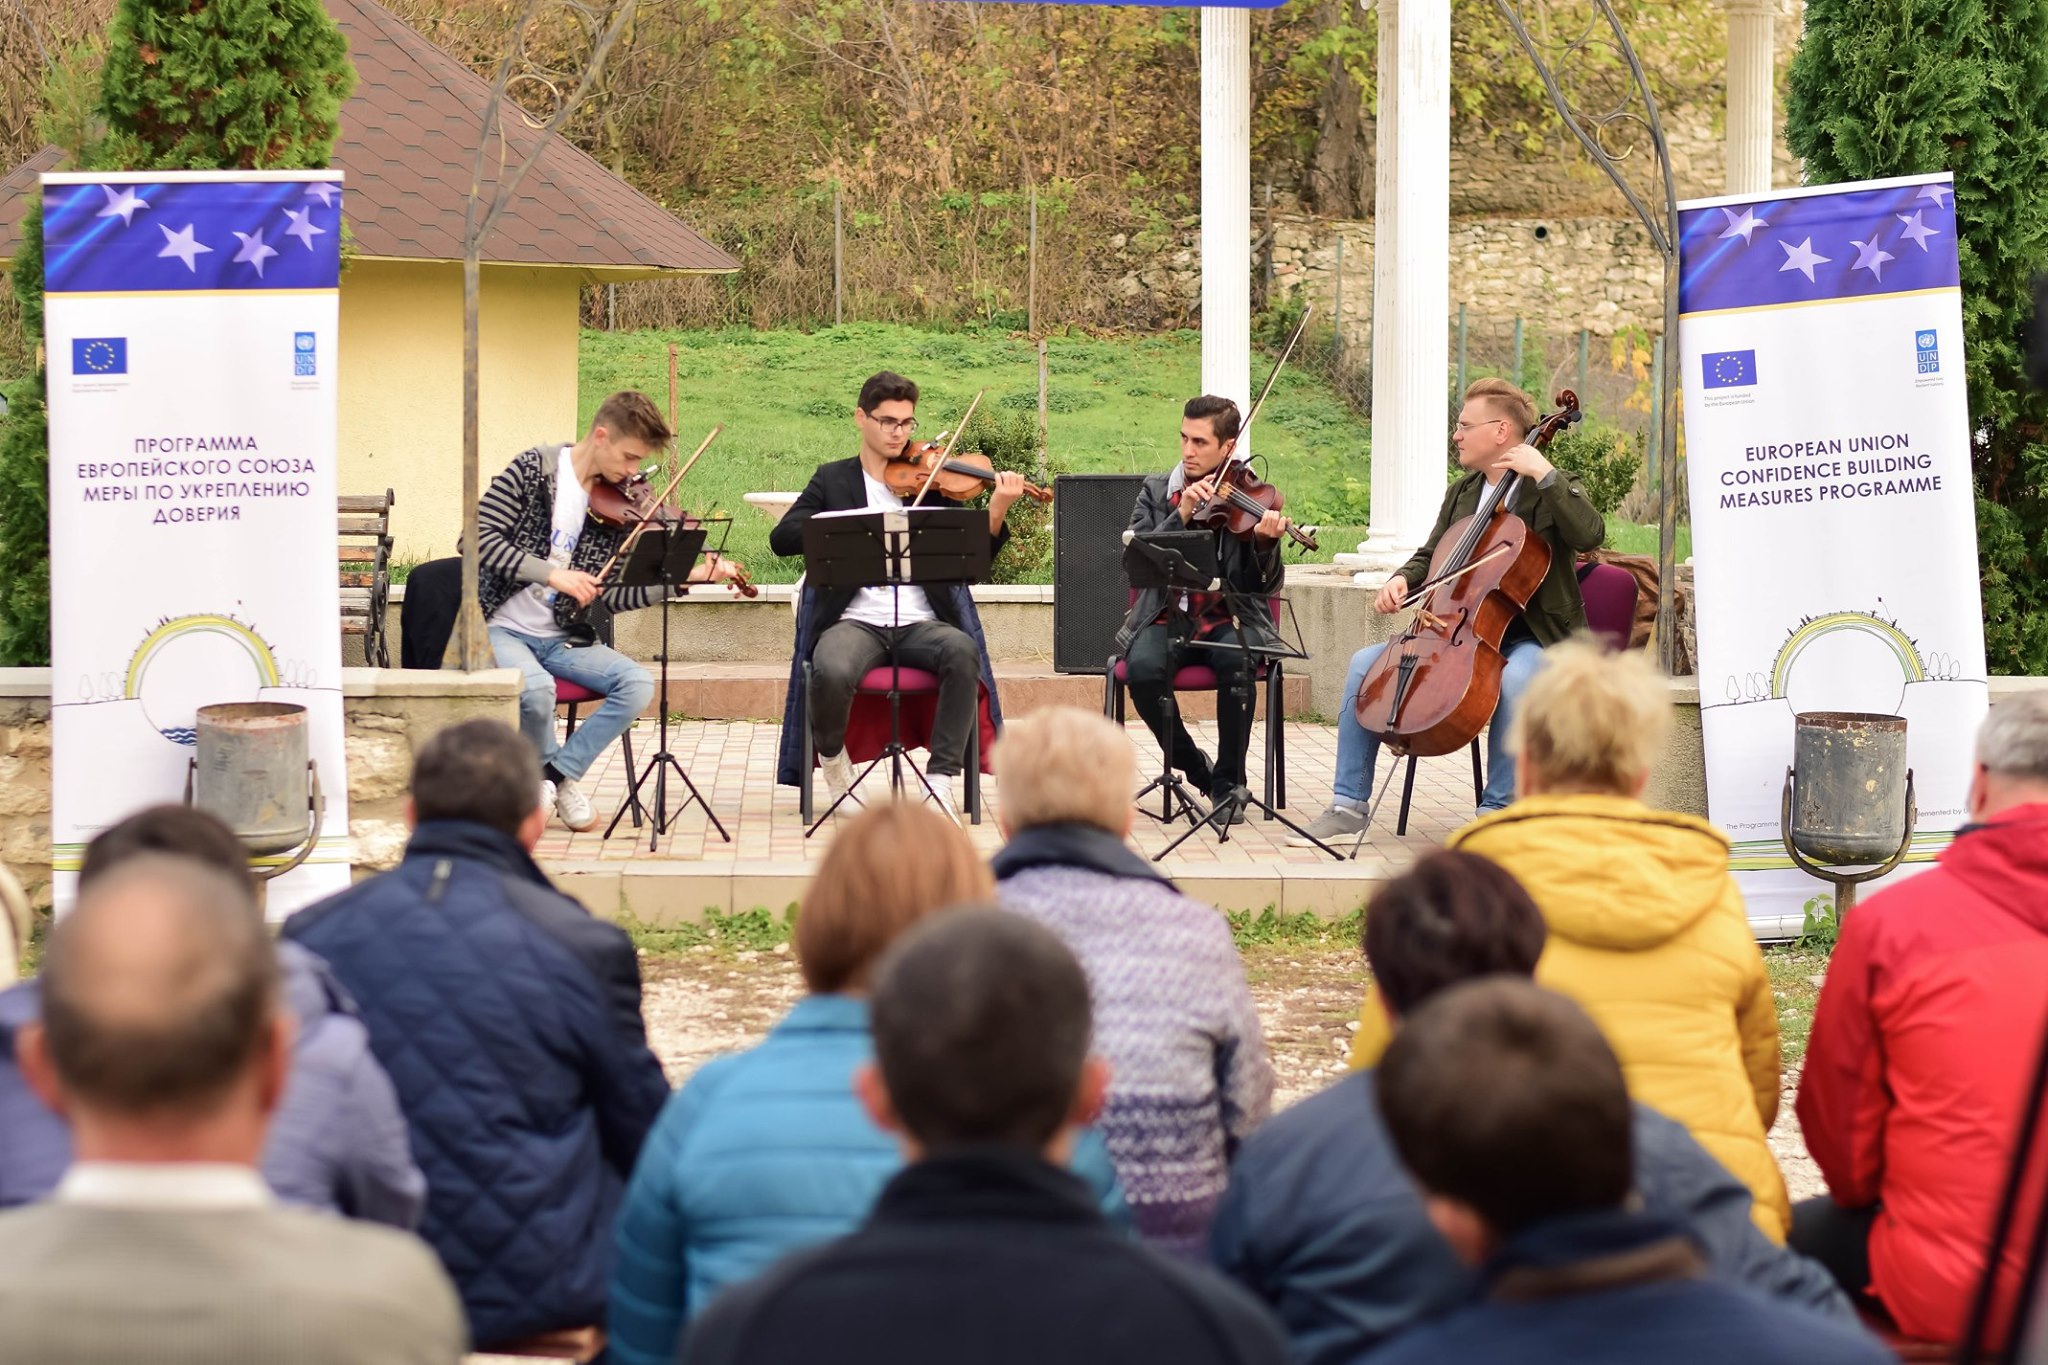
1956	85
25	476
195	85
225	84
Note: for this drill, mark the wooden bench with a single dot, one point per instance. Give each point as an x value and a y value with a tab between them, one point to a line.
365	560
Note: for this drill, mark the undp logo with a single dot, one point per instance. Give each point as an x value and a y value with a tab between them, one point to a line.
1927	350
303	360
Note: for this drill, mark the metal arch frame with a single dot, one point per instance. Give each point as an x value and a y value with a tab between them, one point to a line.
1662	225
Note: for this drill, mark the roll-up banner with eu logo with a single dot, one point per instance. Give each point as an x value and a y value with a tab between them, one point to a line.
191	325
1833	524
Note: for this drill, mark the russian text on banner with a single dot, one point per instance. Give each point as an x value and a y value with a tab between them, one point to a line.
1833	522
192	320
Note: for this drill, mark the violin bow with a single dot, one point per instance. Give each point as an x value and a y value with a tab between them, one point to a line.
1307	311
633	536
952	438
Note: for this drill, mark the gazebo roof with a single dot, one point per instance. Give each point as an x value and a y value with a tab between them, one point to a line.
409	136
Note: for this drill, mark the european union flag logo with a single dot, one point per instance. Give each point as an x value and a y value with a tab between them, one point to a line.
1728	369
99	355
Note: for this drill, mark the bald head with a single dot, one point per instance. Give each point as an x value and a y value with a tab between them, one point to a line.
159	988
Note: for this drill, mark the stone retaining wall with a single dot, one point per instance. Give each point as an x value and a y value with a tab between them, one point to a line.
389	715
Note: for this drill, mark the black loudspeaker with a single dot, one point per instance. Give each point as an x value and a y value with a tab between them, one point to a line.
1091	596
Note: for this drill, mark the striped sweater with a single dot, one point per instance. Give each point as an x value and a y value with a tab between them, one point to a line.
513	527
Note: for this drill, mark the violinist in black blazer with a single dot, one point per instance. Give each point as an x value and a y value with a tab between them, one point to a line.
850	630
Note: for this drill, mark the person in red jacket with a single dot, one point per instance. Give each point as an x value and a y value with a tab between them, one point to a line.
1922	1048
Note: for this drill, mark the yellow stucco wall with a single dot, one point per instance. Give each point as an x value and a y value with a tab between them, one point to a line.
401	383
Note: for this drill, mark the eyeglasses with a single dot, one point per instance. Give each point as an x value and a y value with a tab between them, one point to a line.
1467	426
906	424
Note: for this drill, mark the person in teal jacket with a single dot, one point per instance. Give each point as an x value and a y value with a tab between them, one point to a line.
769	1151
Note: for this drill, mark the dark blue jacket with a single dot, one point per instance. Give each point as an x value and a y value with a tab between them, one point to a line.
1622	1289
509	1020
337	1141
1322	1222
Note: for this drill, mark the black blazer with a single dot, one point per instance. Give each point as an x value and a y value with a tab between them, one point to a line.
837	487
988	1256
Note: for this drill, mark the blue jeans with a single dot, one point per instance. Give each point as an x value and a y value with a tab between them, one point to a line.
1358	752
625	685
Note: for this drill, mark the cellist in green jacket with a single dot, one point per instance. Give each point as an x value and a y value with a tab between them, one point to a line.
1492	440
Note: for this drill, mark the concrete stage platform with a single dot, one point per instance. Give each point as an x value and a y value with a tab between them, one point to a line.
766	864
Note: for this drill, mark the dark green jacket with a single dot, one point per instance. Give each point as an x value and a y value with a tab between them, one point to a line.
1563	515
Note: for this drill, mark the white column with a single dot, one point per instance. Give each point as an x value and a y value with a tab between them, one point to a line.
1411	284
1750	53
1227	205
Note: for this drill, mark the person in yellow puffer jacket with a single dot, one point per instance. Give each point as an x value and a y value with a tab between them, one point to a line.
1647	927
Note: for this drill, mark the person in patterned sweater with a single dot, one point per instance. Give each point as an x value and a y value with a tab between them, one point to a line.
1189	1076
539	554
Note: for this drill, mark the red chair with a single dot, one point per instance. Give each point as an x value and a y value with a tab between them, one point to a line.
573	695
1202	678
910	682
1609	592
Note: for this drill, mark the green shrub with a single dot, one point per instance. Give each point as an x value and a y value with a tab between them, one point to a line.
1602	458
1011	442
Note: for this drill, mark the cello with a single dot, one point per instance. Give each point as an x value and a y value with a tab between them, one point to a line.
1435	686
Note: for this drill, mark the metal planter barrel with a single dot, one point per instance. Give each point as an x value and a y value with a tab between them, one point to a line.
1848	797
252	770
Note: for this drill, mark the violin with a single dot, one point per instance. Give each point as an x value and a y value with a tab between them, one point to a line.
957	477
1437	683
636	504
1241	498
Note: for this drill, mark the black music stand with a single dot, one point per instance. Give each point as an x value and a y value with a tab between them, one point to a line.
899	548
1179	562
1246	608
663	558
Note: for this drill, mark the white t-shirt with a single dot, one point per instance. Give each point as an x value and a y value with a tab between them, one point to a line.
886	607
531	610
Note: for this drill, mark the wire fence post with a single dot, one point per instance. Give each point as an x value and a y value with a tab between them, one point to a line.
1459	396
838	257
1337	308
1585	343
1518	352
1266	293
611	308
1042	424
1656	481
1031	299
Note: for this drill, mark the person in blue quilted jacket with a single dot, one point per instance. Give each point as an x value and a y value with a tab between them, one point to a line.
770	1151
337	1141
509	1020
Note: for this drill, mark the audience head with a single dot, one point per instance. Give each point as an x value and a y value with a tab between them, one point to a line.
1508	1108
2012	756
482	771
161	1035
981	1027
1448	919
888	867
1591	722
179	831
1064	765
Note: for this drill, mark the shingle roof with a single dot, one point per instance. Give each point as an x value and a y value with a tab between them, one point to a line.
408	146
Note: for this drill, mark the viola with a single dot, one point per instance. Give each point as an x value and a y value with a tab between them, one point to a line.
958	477
1241	499
1437	683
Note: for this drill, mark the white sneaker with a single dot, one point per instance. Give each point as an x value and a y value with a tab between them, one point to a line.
838	770
547	795
942	792
573	806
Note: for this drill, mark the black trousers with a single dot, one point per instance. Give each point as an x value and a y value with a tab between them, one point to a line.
1159	651
848	650
1839	1239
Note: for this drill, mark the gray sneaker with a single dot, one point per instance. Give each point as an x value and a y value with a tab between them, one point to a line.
1338	822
